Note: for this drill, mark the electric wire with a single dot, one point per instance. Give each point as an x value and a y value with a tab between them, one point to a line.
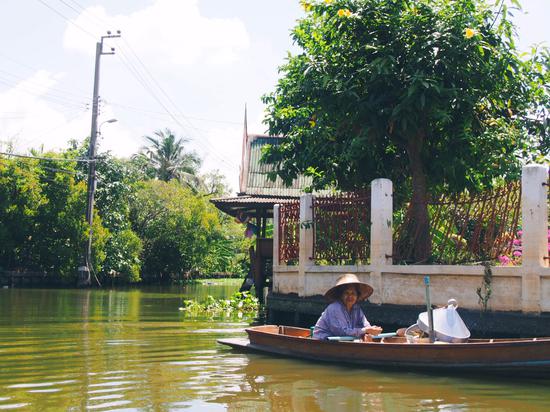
55	159
135	72
52	90
59	126
46	96
67	19
229	166
145	84
143	81
146	111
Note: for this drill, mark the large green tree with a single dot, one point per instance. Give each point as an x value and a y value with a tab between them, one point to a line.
429	93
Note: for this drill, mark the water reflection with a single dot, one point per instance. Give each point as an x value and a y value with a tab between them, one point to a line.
285	384
133	350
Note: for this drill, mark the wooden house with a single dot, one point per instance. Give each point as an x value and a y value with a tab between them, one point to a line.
253	204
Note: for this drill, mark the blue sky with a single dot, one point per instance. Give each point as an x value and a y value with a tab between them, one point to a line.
189	65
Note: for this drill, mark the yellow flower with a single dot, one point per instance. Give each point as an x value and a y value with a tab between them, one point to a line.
329	1
312	123
469	33
344	13
307	6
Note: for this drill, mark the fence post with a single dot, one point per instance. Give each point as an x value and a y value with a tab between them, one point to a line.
381	234
306	240
534	239
276	261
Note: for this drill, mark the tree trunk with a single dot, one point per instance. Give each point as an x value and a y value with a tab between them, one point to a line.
419	225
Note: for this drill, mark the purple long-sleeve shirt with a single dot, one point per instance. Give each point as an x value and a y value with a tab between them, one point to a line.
337	321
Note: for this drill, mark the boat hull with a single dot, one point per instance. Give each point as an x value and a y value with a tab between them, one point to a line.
524	356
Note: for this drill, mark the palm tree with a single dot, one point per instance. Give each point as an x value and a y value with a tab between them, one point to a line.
166	155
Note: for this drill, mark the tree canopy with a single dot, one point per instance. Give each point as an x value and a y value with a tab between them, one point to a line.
143	228
429	93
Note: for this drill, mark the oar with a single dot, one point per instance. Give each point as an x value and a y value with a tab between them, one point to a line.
429	310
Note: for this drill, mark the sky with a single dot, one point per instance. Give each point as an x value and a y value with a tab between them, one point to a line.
187	65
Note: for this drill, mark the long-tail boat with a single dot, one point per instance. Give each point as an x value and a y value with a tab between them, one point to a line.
529	356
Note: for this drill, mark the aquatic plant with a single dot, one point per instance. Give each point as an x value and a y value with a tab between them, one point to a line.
239	304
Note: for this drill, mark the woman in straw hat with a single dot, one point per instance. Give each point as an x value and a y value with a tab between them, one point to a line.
344	317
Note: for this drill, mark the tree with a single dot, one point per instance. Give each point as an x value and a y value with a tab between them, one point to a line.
42	225
181	232
429	93
117	180
167	157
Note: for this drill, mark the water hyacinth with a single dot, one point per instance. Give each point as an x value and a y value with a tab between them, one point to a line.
240	304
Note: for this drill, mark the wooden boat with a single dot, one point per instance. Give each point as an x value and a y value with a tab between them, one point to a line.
529	356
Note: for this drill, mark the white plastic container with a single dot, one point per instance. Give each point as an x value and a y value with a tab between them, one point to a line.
448	325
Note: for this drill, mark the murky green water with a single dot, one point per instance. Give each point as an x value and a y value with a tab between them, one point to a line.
134	351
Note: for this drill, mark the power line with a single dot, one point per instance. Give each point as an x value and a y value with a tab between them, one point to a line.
65	123
32	82
145	84
54	159
35	69
61	101
204	144
142	110
67	19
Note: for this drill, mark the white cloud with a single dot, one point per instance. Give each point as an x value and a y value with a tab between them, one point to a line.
33	113
169	32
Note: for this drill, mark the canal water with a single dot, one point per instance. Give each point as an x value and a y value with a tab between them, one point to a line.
133	350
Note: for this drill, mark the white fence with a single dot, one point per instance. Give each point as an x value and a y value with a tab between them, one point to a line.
518	288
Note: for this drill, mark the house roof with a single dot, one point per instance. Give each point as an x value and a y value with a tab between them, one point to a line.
257	193
250	205
257	181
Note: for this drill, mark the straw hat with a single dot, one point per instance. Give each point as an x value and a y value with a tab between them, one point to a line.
348	279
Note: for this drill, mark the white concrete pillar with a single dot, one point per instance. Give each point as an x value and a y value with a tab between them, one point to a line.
534	239
276	261
381	233
306	241
381	214
534	214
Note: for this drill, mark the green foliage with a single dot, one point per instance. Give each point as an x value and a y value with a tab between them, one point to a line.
181	232
241	303
42	220
429	93
165	229
116	181
20	198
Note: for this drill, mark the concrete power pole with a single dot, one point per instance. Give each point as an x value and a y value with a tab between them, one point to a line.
84	278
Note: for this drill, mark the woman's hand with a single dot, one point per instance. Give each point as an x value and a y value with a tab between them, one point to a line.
372	330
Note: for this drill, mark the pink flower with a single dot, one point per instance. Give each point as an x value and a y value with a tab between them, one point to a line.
517	242
517	253
504	260
520	232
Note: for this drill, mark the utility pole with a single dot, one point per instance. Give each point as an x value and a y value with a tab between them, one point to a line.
84	278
